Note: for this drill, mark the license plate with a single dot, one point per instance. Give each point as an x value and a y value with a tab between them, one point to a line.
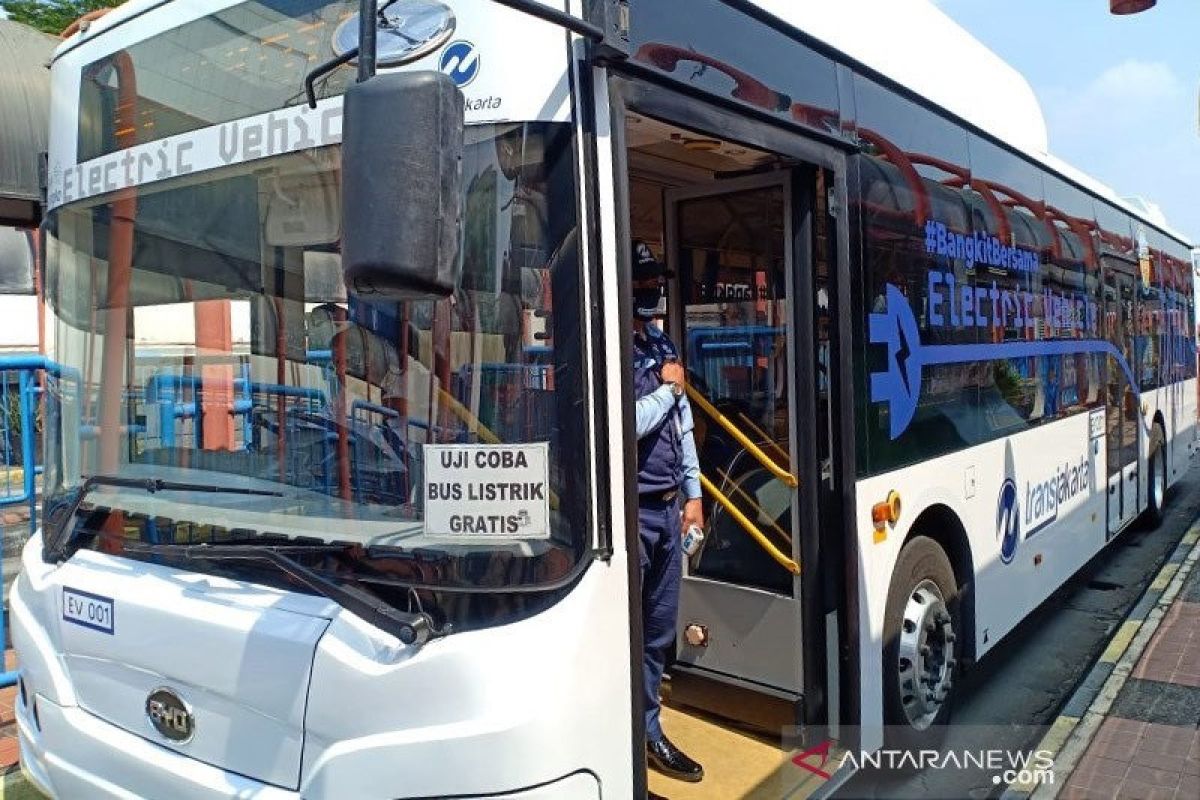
89	610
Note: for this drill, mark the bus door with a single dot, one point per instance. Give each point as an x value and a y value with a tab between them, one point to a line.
740	249
1122	402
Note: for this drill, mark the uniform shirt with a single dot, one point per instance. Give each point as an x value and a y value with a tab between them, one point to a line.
660	415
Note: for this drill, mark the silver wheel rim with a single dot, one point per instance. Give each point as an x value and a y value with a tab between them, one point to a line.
1159	485
925	668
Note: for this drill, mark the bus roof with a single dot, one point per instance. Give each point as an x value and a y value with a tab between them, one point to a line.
892	38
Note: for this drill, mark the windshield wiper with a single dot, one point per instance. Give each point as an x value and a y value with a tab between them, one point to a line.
412	629
55	535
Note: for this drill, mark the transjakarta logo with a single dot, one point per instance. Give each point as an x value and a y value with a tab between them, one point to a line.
1040	503
1008	521
1043	498
460	61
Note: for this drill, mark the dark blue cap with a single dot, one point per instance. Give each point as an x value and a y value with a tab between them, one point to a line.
645	265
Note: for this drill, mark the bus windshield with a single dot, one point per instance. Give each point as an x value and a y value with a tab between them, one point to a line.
204	335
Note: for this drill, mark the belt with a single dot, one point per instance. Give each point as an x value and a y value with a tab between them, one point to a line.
659	497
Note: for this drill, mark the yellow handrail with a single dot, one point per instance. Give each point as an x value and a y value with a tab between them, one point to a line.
749	423
754	450
468	417
750	528
742	493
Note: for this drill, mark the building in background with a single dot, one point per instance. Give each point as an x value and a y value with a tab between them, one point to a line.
24	120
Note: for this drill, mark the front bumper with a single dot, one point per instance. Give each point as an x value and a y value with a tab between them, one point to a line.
93	755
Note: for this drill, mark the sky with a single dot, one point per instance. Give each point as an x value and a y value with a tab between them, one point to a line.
1119	93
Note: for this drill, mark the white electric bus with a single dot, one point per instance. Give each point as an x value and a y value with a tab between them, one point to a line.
366	528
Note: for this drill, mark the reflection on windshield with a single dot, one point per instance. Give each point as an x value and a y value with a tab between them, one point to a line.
233	63
241	354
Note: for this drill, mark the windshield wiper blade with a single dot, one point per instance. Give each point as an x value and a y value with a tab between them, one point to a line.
153	485
55	538
410	628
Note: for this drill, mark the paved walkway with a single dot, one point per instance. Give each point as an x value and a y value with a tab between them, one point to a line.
8	725
1146	745
14	530
12	783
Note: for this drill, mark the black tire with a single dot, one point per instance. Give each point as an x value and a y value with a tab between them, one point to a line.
922	565
1156	480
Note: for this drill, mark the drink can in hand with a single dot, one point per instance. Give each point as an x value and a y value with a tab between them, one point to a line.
692	540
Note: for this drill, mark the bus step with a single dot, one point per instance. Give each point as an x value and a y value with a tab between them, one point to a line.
761	709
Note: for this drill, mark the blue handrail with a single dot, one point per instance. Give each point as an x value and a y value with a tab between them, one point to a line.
713	352
26	368
165	391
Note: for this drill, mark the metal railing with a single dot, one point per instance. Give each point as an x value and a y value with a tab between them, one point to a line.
782	473
727	358
18	434
21	379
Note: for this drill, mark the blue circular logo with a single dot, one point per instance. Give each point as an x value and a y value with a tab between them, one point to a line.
460	61
1008	521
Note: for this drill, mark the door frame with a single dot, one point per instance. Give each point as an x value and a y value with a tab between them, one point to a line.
1125	481
763	601
829	554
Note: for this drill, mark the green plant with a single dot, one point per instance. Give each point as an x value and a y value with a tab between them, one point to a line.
52	16
10	447
1008	381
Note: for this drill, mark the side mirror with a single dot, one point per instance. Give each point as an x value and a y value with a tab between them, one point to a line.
402	148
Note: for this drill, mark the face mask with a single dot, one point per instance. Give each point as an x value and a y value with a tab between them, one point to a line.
646	302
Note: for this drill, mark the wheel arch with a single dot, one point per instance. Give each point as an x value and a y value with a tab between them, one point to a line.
941	524
1160	423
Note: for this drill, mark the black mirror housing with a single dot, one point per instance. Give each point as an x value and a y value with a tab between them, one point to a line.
402	148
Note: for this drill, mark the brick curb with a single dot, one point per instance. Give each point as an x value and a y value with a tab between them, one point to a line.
1073	729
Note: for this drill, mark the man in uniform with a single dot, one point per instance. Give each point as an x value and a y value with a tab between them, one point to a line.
668	475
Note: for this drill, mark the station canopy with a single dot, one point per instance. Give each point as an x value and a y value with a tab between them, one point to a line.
24	118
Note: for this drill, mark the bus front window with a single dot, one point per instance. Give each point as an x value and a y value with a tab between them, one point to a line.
242	360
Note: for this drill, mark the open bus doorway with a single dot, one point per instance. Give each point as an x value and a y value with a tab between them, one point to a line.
748	237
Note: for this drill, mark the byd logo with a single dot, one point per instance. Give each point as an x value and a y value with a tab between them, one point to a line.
169	715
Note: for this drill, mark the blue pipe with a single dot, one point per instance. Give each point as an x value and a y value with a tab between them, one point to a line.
288	391
373	408
31	362
245	405
27	436
166	412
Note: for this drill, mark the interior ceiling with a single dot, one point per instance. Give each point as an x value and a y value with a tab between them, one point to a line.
648	135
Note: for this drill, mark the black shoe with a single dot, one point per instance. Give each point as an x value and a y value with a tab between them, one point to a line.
670	760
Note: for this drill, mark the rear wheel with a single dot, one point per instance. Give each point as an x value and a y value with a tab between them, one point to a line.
920	653
1157	480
